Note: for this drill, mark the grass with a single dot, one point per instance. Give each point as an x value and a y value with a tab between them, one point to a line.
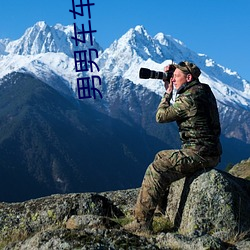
160	223
239	237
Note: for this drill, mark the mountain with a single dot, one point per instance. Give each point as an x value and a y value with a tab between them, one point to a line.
46	52
137	49
41	38
56	144
45	129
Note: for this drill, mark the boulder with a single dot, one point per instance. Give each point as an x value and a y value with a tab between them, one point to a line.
241	169
210	202
24	219
208	210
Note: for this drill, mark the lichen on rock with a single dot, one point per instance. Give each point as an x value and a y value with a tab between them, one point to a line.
209	210
211	202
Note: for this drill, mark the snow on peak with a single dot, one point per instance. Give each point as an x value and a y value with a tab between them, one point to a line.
50	48
167	39
45	51
36	39
41	24
42	38
140	29
3	44
136	49
125	54
162	39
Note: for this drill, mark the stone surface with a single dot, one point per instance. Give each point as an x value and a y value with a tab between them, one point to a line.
209	210
90	221
178	241
241	169
211	202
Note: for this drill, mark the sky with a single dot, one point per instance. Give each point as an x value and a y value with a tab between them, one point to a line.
217	28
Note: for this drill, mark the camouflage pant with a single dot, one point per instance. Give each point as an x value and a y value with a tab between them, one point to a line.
167	167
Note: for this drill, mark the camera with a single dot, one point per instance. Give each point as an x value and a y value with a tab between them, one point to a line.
145	73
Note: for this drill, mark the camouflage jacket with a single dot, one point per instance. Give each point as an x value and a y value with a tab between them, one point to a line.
196	113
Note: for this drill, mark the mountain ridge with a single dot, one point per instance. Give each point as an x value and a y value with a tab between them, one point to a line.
42	38
56	144
124	57
152	51
136	48
121	126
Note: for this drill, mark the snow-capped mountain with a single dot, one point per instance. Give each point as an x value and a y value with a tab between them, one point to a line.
44	51
47	53
50	139
42	38
137	49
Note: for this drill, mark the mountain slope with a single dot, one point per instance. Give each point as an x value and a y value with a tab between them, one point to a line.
137	49
42	38
51	143
57	143
47	52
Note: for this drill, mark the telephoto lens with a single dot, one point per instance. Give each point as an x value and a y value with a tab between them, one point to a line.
145	73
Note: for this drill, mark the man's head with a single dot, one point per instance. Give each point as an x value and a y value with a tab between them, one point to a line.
185	72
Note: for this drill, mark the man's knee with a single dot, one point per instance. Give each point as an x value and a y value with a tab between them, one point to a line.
162	160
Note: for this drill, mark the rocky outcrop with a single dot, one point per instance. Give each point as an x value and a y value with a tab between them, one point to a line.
209	210
210	202
241	169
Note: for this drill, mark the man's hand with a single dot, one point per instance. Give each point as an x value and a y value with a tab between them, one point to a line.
168	85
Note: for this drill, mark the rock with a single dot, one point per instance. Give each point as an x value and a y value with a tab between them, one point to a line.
241	169
21	220
212	202
178	241
209	211
63	239
124	199
90	221
243	245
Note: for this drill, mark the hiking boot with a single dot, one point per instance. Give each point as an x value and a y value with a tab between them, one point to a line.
140	227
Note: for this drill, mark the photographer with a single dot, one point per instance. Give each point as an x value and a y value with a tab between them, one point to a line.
195	111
